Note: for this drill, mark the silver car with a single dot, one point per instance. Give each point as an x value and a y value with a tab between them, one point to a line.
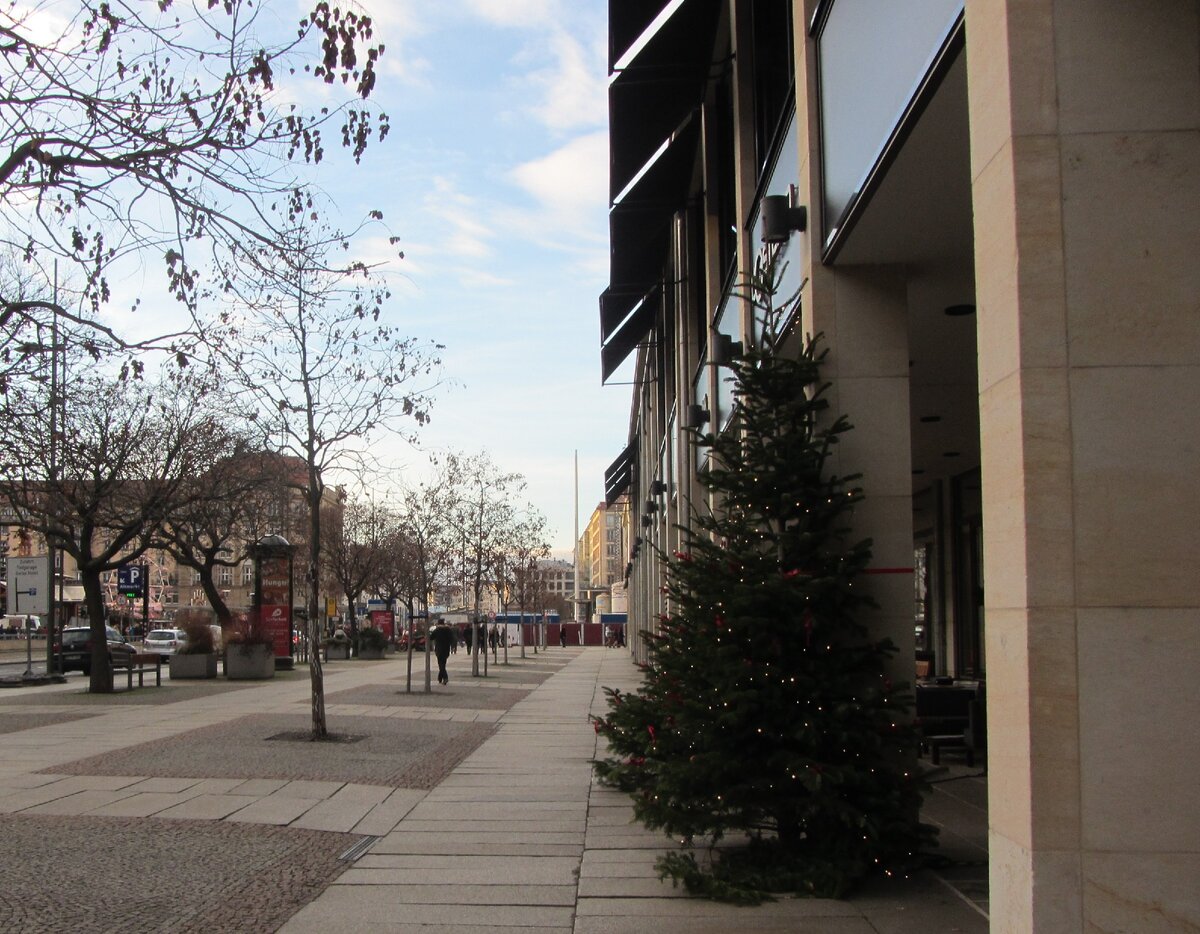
165	642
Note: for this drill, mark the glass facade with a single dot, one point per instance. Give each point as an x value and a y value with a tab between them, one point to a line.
874	56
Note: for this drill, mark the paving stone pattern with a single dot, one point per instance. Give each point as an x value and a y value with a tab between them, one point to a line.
387	695
16	722
146	875
396	752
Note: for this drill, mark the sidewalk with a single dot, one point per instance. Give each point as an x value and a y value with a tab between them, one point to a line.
474	810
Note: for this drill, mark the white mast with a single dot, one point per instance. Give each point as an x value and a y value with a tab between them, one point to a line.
578	595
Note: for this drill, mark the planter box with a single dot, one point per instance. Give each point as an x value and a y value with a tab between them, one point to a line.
337	650
370	654
253	663
193	666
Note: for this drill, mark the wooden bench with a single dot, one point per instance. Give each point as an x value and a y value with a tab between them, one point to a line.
142	665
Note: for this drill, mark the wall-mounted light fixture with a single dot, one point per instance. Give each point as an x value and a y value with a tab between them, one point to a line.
725	350
697	415
657	487
647	521
781	214
651	506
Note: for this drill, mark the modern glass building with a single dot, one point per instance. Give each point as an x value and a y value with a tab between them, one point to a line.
1000	245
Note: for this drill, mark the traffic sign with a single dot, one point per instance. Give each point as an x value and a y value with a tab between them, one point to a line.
131	580
29	586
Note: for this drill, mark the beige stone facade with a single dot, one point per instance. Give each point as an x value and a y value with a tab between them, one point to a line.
1008	280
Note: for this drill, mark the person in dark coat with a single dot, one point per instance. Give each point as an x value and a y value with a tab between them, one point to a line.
442	636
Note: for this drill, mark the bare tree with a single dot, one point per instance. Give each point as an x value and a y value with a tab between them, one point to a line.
527	546
316	352
125	454
230	507
427	528
159	129
356	551
484	512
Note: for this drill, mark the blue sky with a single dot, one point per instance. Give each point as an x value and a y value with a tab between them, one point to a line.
495	178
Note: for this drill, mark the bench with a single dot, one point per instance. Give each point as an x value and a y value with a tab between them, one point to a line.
950	715
141	665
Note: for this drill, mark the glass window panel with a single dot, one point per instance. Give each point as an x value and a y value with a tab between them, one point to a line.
873	56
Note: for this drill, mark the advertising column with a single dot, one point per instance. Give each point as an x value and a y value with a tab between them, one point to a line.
276	601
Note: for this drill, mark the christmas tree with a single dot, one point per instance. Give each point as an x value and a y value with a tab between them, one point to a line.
766	717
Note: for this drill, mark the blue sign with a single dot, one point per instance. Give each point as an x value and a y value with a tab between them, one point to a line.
131	581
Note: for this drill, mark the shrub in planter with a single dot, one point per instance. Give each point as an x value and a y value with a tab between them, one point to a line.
337	645
371	642
249	650
198	657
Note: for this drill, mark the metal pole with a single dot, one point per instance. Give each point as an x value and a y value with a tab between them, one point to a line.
578	582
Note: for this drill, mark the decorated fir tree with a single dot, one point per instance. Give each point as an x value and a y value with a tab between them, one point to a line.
766	714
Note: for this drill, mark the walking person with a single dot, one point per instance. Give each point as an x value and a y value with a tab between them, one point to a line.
442	637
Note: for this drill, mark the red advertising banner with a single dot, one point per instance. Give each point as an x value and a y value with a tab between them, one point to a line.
277	622
384	621
275	582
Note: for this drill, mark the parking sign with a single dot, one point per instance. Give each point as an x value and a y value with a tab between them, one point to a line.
131	580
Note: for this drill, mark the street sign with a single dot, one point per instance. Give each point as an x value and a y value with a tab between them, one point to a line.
29	586
131	580
491	614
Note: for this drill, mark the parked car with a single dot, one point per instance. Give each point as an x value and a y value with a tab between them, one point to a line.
164	642
74	649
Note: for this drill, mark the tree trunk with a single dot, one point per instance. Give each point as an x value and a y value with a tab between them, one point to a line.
316	675
100	681
213	596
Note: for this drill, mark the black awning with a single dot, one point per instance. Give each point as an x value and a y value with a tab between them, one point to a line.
640	227
655	92
627	20
620	473
628	336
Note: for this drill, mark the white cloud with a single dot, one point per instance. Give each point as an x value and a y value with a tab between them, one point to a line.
522	14
569	186
572	91
466	235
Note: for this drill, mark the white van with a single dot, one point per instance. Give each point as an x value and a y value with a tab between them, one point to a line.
14	624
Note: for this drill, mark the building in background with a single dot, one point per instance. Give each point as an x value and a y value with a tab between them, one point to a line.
988	211
602	549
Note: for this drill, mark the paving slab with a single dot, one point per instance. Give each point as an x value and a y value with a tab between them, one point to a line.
144	805
356	908
207	807
79	803
273	809
383	817
345	808
479	870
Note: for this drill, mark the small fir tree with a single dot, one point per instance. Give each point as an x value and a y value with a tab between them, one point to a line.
765	709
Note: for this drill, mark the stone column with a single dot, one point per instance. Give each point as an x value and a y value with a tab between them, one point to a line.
1086	178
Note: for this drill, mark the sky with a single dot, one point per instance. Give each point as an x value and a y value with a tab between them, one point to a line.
495	178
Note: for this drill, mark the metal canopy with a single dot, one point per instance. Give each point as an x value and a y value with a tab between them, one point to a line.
627	20
629	335
640	228
651	97
619	473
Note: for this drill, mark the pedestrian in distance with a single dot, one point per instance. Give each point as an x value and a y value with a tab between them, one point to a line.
442	637
562	636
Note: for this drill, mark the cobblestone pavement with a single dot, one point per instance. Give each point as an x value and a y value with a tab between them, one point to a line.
400	753
145	875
